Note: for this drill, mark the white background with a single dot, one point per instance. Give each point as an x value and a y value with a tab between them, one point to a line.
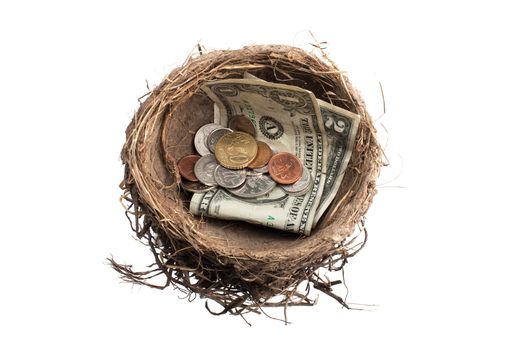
444	261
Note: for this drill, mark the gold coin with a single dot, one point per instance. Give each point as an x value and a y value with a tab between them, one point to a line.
236	150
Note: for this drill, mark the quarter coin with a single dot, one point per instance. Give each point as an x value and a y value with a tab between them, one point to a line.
300	186
285	168
242	123
229	178
186	165
236	150
254	186
196	187
201	137
215	135
264	154
204	169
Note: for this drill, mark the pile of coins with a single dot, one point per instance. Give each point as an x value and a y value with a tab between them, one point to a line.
231	158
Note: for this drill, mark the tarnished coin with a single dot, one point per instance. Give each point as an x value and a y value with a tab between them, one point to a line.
196	187
242	123
186	165
264	154
229	178
215	135
254	186
300	186
201	137
204	169
236	150
285	168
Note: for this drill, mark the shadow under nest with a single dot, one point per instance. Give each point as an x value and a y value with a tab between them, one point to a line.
241	266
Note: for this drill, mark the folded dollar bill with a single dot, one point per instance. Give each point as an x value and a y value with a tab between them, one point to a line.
288	119
340	127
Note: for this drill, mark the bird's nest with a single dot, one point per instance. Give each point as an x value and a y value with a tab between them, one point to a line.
241	266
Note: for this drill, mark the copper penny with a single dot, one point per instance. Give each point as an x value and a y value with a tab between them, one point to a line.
285	168
241	123
186	165
264	154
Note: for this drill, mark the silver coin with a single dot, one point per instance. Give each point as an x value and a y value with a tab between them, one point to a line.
275	196
196	187
215	135
204	169
261	170
229	178
302	184
302	193
201	137
254	186
250	172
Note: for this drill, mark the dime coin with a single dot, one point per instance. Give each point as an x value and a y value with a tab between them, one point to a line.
186	165
215	135
196	187
204	169
254	186
201	137
242	123
236	150
264	153
285	168
300	186
229	178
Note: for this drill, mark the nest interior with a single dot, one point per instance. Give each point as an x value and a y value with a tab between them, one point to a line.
239	265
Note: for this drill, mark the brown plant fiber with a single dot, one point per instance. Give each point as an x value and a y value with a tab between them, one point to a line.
241	266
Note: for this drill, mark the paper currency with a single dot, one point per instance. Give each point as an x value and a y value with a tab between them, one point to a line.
268	210
274	110
340	126
288	119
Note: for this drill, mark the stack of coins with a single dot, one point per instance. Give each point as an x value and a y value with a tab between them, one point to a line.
231	158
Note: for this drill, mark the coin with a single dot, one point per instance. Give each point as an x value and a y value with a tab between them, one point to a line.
301	193
204	169
236	150
242	123
254	186
201	137
264	153
285	168
251	172
186	165
261	170
196	187
215	135
301	185
229	178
